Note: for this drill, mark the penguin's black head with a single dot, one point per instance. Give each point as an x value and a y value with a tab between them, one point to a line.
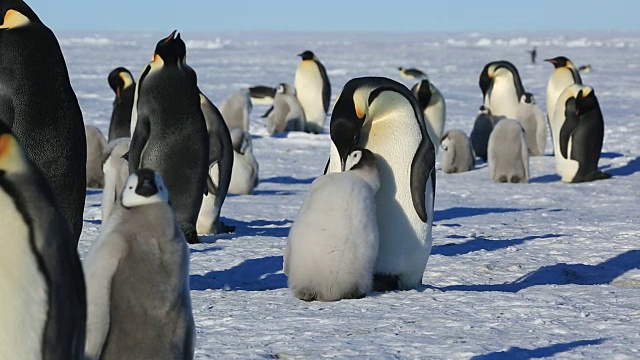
345	125
586	101
559	61
171	49
423	93
307	55
146	183
360	158
528	98
14	13
485	79
119	78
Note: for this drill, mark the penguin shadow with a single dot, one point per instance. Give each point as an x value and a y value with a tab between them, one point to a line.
275	228
273	192
539	353
630	168
463	212
259	274
287	180
479	243
94	221
545	179
93	191
563	274
610	155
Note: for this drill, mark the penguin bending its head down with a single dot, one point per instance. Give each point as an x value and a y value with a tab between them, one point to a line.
501	88
382	115
170	134
40	107
313	90
137	272
333	243
41	281
433	107
124	87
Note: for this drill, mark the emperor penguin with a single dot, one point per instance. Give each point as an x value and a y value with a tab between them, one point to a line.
313	90
262	95
137	273
244	177
41	108
383	116
434	108
116	171
236	109
287	114
482	128
41	280
508	156
533	122
501	88
171	135
220	167
578	133
124	87
96	144
564	75
333	243
412	73
457	153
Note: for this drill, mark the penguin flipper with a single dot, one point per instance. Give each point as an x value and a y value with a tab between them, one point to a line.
213	179
266	114
326	90
138	142
568	127
423	167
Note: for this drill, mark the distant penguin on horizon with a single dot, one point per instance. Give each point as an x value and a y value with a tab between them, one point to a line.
578	132
287	114
508	156
457	155
434	108
533	122
534	54
40	106
333	243
236	109
96	144
313	90
501	88
124	87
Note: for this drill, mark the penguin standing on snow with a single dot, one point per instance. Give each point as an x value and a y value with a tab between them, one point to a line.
236	109
532	120
383	116
333	243
220	167
564	75
508	156
137	272
501	88
96	144
41	280
244	177
458	153
578	132
124	87
313	89
482	128
39	105
434	108
170	132
287	114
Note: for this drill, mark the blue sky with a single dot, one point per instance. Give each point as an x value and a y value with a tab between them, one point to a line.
330	15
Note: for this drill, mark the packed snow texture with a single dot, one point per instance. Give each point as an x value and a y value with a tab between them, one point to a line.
517	271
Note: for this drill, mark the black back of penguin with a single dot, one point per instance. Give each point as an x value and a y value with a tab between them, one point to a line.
120	125
41	108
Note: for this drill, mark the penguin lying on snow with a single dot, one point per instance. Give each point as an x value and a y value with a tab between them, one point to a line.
457	153
508	156
96	144
412	73
41	280
137	272
333	243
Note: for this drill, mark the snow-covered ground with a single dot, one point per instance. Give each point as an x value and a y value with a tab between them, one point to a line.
545	269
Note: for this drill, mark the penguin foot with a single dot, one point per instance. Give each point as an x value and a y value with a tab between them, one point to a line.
503	179
383	283
599	175
515	179
305	295
225	229
192	236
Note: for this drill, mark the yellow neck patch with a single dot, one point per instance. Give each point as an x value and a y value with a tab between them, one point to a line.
12	158
126	77
14	19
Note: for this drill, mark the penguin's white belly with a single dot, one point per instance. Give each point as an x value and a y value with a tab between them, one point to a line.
503	99
309	84
566	168
244	174
405	241
23	308
435	118
560	80
208	209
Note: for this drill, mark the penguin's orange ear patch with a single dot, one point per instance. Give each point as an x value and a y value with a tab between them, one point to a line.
5	140
11	157
359	111
14	19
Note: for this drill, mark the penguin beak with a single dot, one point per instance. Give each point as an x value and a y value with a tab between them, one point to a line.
553	61
118	92
170	37
299	55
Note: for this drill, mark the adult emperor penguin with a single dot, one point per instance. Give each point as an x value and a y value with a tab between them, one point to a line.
482	128
458	153
96	144
333	243
508	156
287	114
41	280
137	272
434	108
244	177
533	122
501	88
578	133
564	75
384	117
41	108
236	109
124	87
171	134
116	171
220	167
313	89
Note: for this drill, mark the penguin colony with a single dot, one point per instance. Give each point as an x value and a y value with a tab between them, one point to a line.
171	157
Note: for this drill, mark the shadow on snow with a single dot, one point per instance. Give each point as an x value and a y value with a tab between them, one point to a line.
250	275
630	168
287	180
461	212
484	244
543	352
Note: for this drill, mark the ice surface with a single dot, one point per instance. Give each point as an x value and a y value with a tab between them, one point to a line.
517	271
